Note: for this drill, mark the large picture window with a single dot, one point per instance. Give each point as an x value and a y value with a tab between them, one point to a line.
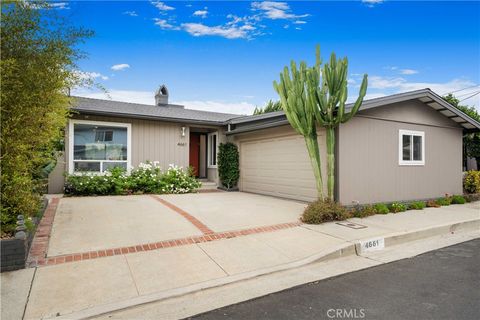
97	146
411	147
212	150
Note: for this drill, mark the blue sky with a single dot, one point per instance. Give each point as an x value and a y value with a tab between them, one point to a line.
224	55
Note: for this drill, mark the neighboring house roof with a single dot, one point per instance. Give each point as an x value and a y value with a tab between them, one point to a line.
262	121
170	112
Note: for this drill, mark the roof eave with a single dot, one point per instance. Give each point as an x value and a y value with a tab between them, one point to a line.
147	117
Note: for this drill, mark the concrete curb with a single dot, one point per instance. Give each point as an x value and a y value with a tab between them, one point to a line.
342	250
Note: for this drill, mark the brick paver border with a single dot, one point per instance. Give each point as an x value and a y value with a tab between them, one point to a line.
39	247
162	244
197	223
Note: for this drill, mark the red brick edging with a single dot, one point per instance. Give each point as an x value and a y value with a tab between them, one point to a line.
39	247
197	223
162	244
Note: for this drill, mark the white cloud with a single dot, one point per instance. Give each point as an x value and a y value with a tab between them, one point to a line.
120	67
408	71
300	22
48	5
131	13
147	97
86	75
219	106
164	24
142	97
229	32
390	85
162	6
372	1
276	10
59	5
201	13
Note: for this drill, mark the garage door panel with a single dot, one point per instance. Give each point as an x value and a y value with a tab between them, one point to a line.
278	166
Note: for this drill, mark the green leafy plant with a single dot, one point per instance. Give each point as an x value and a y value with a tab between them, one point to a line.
417	205
271	106
323	211
472	197
294	88
39	50
329	100
457	199
381	208
396	207
228	164
445	201
147	178
432	204
471	181
364	211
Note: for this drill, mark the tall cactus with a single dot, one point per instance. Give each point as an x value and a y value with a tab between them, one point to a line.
329	101
300	108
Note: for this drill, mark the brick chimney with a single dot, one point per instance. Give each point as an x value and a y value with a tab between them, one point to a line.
161	96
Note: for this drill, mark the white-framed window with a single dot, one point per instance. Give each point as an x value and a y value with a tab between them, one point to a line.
212	146
95	146
411	148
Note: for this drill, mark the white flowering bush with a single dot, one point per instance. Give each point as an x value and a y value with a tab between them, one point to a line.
146	178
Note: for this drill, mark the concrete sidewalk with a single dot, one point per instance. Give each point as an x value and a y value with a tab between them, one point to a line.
82	289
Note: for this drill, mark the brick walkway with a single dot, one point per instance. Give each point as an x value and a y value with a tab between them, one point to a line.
38	252
39	247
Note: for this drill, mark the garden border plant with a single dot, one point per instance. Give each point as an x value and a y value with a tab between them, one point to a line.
146	178
318	212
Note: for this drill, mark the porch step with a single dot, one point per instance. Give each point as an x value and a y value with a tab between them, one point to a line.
208	185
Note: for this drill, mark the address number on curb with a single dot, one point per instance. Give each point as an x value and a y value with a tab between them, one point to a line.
372	245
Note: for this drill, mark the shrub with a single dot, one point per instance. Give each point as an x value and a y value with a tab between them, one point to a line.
397	207
147	178
363	212
381	208
432	204
323	211
445	201
458	200
39	52
471	182
228	165
416	205
472	197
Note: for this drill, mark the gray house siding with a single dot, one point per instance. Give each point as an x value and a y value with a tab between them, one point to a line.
151	141
275	162
368	148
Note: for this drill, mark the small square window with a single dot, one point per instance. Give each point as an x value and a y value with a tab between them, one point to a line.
411	147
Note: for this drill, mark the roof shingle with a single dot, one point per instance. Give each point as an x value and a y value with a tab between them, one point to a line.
169	112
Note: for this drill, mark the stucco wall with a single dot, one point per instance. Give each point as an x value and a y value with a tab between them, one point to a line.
368	166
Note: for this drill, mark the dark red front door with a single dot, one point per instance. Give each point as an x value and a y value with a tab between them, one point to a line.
195	152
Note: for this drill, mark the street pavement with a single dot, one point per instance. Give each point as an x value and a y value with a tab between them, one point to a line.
441	284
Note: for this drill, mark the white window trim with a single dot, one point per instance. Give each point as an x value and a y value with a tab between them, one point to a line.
402	162
209	148
71	124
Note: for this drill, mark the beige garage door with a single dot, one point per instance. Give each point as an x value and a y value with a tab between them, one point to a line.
277	166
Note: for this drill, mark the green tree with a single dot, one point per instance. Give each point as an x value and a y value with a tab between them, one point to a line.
271	106
471	141
37	67
330	99
294	89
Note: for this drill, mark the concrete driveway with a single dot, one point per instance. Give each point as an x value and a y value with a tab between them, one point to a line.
84	224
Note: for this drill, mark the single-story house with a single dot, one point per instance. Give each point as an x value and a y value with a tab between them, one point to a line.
405	146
